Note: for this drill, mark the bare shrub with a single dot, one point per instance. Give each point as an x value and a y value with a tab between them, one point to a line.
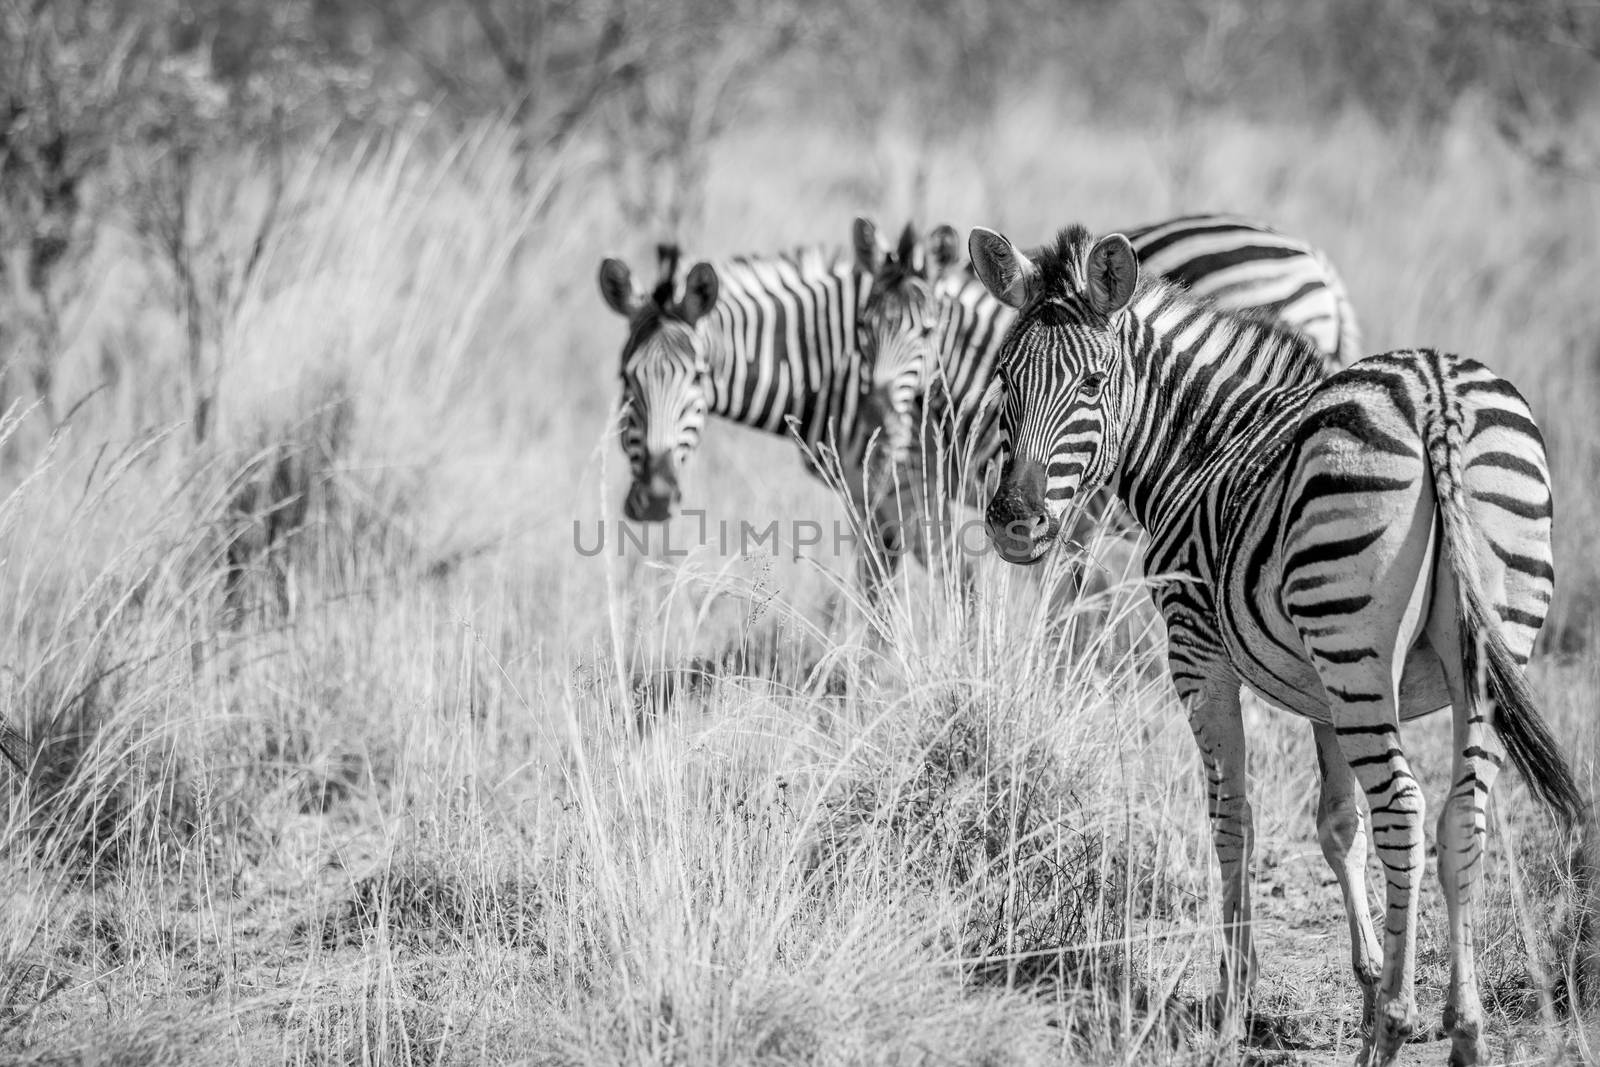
64	73
284	502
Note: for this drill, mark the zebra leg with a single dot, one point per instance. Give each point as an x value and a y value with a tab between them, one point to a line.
1366	720
1395	798
1342	831
933	537
1218	725
1357	585
879	545
1462	829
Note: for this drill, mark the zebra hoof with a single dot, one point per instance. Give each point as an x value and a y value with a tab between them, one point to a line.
1467	1048
1395	1023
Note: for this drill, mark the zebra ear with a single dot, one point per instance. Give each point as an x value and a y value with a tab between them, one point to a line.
1009	275
942	252
870	250
699	292
909	253
1113	274
617	288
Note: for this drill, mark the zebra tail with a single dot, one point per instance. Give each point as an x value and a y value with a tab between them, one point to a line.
1349	349
1529	743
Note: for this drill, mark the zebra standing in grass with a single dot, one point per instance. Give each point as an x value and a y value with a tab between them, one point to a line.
930	333
769	342
1360	549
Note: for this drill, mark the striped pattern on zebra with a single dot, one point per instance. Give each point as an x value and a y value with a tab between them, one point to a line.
898	321
1361	549
931	329
768	342
1241	265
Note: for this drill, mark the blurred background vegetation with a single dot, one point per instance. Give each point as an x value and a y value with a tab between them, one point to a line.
109	109
106	105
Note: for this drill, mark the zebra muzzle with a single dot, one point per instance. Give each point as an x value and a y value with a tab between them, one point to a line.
1020	525
654	495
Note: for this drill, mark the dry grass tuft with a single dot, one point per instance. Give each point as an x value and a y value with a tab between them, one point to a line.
972	805
434	903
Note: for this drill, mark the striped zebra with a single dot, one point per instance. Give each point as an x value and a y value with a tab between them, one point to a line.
768	342
931	331
1360	549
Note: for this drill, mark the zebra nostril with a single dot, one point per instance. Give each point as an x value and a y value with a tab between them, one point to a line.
1032	527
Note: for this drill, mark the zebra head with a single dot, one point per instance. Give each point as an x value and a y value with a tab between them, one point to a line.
1060	382
666	378
897	330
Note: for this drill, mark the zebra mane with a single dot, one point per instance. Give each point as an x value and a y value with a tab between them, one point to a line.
1064	266
664	296
804	258
896	271
754	273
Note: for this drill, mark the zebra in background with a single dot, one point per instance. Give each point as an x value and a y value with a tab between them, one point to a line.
768	342
1242	266
1361	549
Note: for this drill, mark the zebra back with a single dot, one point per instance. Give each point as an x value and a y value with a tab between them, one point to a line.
1245	267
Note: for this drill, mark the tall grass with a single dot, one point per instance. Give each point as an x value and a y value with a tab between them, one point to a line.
331	747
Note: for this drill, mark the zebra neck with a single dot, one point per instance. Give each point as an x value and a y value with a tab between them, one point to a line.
1213	396
730	359
972	326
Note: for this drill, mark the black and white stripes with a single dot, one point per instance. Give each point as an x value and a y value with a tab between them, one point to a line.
1240	265
768	342
943	329
764	341
1360	550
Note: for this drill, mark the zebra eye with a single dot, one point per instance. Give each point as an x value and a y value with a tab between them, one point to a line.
1091	386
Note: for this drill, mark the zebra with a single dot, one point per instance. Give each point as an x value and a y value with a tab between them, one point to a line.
930	331
769	342
1360	549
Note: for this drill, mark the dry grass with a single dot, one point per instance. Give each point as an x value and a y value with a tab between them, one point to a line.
334	749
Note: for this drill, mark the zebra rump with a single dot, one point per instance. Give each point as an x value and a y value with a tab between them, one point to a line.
1529	743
